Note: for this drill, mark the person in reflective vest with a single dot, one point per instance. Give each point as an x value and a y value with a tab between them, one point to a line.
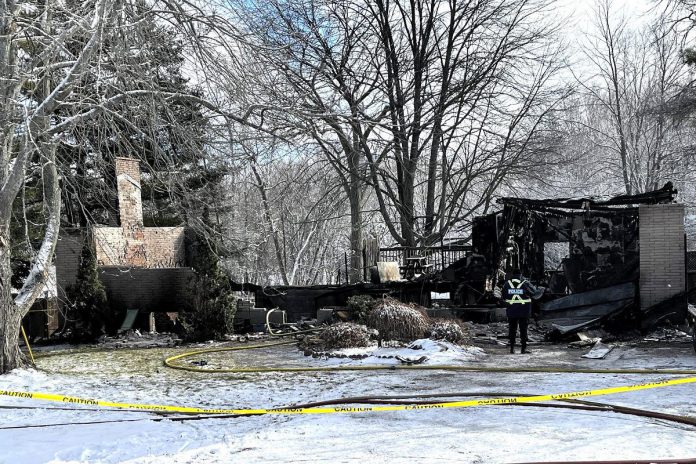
517	296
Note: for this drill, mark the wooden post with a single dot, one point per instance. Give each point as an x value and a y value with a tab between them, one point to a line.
153	327
442	253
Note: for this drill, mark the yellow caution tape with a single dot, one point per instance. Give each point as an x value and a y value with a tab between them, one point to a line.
343	409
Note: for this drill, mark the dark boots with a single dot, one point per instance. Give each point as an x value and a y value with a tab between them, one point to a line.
524	348
514	323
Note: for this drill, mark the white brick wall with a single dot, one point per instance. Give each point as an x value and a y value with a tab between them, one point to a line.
132	244
662	262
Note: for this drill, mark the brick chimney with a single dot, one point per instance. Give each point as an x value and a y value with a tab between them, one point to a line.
129	195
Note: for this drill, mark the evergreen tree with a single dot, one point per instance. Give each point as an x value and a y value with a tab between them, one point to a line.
89	314
210	314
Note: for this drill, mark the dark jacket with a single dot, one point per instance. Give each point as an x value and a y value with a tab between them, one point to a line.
517	296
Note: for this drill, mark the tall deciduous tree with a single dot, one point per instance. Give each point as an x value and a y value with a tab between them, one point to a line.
313	64
31	90
636	74
466	86
432	104
50	52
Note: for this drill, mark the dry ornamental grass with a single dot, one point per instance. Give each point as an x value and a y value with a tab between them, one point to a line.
345	335
398	321
448	330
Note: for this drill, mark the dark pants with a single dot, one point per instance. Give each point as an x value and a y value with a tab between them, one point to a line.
522	323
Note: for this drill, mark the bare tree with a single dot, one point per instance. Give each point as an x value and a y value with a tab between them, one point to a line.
466	87
636	75
432	104
27	133
50	52
288	215
312	62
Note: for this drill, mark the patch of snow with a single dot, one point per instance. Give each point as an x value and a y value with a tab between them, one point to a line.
437	352
28	8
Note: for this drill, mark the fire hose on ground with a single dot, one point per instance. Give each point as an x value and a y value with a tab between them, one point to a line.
413	400
169	362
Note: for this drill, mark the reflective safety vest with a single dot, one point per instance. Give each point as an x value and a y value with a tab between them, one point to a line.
516	292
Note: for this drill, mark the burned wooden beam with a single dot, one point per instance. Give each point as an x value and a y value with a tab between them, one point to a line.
666	194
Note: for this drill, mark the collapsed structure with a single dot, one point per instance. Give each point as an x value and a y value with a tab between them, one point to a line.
144	269
620	261
617	262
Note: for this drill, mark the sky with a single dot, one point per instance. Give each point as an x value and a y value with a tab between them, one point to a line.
581	12
576	21
580	16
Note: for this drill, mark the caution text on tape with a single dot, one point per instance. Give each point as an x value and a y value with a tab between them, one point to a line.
344	409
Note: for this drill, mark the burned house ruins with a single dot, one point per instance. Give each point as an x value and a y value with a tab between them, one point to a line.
144	269
619	261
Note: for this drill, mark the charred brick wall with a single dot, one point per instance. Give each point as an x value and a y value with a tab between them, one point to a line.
159	290
662	253
68	250
691	274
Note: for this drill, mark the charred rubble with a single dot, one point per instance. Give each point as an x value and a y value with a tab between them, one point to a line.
618	264
587	253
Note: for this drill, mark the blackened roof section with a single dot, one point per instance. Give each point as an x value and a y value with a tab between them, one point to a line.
664	195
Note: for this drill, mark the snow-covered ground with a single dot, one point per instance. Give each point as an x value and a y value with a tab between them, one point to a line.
476	435
435	352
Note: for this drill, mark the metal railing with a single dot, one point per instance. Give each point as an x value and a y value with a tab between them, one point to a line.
433	258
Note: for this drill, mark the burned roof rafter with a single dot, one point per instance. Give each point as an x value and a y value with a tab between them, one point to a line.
664	195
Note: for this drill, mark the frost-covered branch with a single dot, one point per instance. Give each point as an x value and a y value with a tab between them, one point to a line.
35	282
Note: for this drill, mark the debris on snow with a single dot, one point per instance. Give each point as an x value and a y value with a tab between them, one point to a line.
136	339
411	361
668	334
599	351
496	333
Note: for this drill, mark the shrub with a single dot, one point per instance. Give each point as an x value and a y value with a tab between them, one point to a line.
210	313
398	321
89	313
449	330
345	335
360	307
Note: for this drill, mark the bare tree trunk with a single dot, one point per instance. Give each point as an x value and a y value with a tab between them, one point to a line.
10	356
355	196
356	232
408	226
269	221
